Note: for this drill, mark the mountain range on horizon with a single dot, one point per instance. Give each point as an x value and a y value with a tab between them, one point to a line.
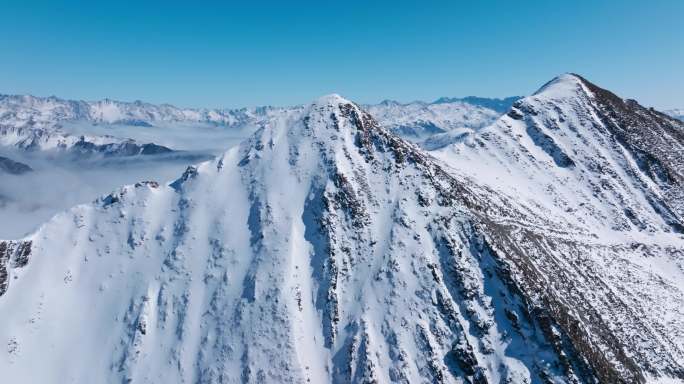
53	109
116	111
31	122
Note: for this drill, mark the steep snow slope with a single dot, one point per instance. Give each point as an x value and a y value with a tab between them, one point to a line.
325	249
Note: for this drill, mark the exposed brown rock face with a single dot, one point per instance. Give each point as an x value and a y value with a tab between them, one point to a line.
4	261
654	139
13	254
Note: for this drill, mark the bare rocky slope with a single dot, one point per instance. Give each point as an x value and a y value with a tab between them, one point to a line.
326	249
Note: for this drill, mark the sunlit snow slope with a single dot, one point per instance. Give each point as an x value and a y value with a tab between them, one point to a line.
326	249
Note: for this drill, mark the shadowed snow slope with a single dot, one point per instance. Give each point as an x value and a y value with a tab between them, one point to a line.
326	249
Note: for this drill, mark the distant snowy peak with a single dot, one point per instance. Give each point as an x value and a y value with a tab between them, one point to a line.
42	139
499	105
36	123
144	113
46	111
418	121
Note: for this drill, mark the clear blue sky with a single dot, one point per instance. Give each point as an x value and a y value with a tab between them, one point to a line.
228	54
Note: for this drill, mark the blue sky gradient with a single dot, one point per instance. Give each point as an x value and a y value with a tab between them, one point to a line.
230	54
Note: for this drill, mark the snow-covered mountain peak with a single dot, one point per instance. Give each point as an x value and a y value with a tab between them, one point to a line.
330	121
564	86
332	99
389	103
625	161
326	249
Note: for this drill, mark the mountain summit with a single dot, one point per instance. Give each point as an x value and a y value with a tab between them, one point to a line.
326	249
606	161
